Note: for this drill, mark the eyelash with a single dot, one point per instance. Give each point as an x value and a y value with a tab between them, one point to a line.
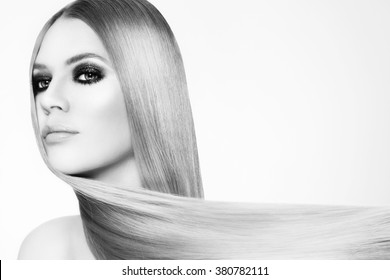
85	74
38	85
92	74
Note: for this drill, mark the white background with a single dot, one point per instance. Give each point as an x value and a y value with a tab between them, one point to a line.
291	101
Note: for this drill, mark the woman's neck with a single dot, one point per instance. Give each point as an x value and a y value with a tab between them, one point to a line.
121	173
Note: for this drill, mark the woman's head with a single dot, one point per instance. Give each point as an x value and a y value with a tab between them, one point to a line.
79	102
111	73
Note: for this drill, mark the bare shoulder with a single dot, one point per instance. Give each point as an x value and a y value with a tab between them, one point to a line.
61	238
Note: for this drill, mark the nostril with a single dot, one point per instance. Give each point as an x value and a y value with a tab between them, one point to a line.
56	106
51	100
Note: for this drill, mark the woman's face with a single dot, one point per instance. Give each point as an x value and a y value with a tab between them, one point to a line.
80	106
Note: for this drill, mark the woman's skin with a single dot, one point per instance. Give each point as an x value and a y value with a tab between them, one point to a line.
58	239
77	90
84	126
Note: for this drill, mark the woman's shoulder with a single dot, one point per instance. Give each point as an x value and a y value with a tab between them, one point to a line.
60	238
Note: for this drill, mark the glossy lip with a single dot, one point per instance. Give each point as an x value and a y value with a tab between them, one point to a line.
56	129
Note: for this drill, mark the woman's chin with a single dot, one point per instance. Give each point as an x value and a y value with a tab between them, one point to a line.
70	169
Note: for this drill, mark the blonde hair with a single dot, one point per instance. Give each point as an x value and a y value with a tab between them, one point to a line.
168	219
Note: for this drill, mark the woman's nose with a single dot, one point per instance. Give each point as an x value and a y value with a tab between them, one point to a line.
53	98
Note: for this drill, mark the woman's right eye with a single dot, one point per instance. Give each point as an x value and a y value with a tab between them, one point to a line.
41	84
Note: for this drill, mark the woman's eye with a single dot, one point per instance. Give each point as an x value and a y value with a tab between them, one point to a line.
87	74
41	84
88	77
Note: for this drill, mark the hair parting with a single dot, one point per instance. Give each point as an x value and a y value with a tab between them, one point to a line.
168	218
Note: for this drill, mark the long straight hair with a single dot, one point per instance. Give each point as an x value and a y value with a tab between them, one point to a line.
168	218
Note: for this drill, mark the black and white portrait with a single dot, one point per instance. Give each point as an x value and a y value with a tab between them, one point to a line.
136	129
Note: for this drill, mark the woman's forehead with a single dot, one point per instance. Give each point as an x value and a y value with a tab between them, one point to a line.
67	38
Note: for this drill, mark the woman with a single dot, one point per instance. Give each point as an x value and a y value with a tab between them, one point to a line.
112	118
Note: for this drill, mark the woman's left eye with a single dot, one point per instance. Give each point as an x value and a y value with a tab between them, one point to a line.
87	74
88	77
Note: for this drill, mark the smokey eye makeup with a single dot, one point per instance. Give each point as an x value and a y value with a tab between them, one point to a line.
88	73
40	82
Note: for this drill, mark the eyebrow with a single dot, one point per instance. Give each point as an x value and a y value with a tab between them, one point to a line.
39	66
82	56
74	59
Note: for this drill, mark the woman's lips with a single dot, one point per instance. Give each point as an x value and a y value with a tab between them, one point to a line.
57	133
58	137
